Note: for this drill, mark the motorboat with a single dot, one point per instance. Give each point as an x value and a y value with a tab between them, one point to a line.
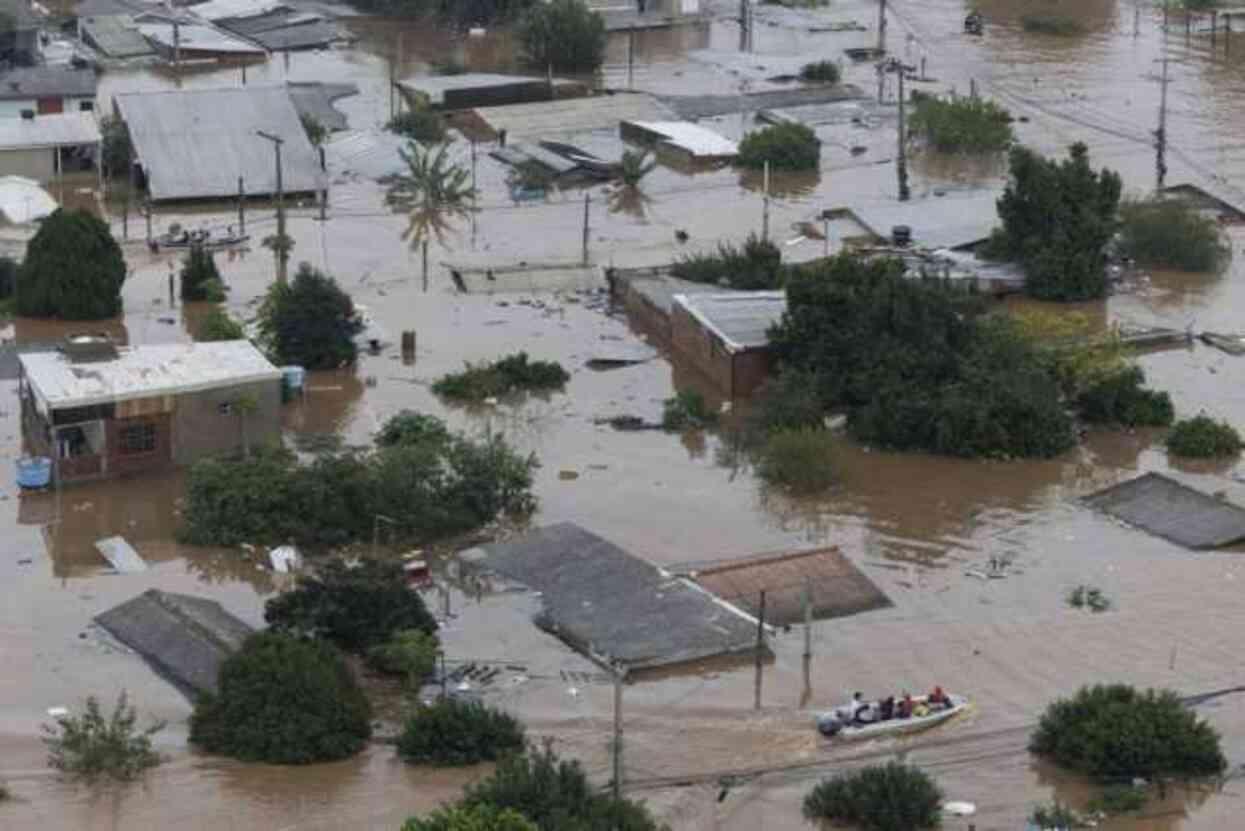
835	724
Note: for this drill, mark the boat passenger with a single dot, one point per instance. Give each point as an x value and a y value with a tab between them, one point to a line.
855	707
904	708
887	708
867	714
938	700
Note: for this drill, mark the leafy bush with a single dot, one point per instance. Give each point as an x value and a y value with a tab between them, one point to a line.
481	817
1118	799
316	132
1077	354
410	653
756	266
1088	597
1170	233
784	146
309	322
688	410
218	325
418	124
972	124
283	700
635	166
555	795
1201	437
502	377
1055	817
788	402
116	149
91	745
894	797
200	278
455	732
1121	399
409	427
73	269
1115	732
8	277
564	35
355	607
1057	220
826	72
802	461
1051	24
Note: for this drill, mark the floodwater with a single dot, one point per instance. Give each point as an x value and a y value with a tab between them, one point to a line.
913	523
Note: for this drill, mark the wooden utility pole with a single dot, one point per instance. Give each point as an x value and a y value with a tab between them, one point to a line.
630	57
587	201
177	50
901	161
1160	135
620	675
760	647
241	208
765	203
282	247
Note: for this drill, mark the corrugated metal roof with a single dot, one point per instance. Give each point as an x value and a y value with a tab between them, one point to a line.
1171	510
573	115
316	100
41	81
143	372
699	141
951	221
194	144
116	36
219	9
197	38
299	36
371	153
742	319
57	130
107	8
434	87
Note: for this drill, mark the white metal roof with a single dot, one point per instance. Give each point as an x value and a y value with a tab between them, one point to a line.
23	200
198	38
697	140
144	372
569	116
742	319
434	87
59	130
219	9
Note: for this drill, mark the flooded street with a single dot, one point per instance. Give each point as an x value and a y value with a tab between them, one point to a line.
914	524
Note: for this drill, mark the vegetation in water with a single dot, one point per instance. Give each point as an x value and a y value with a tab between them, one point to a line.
800	461
635	166
410	654
93	746
1088	597
502	377
785	146
316	132
428	490
1121	399
562	35
1202	437
200	279
755	266
8	277
1057	220
357	606
116	150
1056	817
411	428
1051	24
419	124
823	72
481	817
455	732
73	269
1118	799
891	797
218	325
1171	233
687	410
309	322
1116	732
283	700
953	125
786	402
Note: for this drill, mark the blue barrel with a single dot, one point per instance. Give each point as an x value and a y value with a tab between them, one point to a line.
34	471
293	376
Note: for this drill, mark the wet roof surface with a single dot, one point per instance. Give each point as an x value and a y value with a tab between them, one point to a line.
1164	507
613	605
940	222
741	319
59	130
574	115
46	81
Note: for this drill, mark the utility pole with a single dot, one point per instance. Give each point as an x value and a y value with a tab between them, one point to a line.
283	253
901	161
177	50
765	202
759	649
241	208
881	26
620	675
743	25
808	642
1160	135
587	201
630	56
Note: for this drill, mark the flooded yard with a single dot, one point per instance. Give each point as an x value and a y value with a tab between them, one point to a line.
914	524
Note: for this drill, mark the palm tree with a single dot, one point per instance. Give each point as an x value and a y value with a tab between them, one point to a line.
434	190
629	198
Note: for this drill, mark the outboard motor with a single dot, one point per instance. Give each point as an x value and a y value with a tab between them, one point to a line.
828	724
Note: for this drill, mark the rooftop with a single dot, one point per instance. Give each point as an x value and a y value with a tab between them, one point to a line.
1176	512
116	35
192	38
700	142
434	87
194	144
573	115
144	372
741	319
951	221
58	130
41	81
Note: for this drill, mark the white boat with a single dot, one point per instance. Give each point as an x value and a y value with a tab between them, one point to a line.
830	723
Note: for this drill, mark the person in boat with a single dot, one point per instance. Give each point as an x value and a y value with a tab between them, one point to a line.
854	708
903	709
886	710
867	714
937	700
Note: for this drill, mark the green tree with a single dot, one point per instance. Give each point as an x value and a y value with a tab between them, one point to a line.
451	732
283	700
1202	437
474	818
502	377
408	427
355	607
972	125
116	149
73	269
563	35
755	266
316	132
1116	732
1057	220
419	124
309	322
785	146
1171	233
434	191
635	166
91	746
891	797
555	795
200	279
409	653
821	72
218	325
1121	399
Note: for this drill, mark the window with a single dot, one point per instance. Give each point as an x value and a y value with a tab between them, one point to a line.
86	106
141	438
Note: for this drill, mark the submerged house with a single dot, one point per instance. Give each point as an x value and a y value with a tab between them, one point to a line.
98	410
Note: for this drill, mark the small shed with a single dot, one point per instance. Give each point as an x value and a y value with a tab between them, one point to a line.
184	638
477	89
952	221
115	35
692	141
726	335
192	42
43	146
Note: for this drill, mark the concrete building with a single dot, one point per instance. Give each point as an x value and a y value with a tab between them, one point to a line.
46	90
43	147
100	411
725	336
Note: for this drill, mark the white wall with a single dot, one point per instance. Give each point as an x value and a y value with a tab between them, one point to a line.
39	165
13	109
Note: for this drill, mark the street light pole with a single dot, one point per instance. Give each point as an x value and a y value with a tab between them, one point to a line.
282	247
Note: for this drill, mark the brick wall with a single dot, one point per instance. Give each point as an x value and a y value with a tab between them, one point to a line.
158	458
200	428
702	348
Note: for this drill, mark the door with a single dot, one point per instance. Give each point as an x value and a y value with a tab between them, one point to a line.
50	106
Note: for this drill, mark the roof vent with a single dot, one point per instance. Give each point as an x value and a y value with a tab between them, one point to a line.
89	347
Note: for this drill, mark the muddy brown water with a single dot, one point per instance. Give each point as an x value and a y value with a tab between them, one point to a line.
914	524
